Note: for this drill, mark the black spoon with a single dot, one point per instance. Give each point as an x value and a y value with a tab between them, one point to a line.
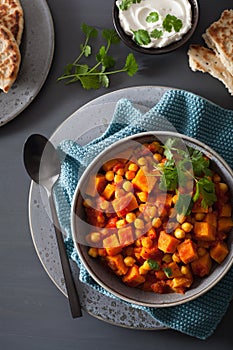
43	166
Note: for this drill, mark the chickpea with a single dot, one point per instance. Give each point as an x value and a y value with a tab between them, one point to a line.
157	157
175	198
93	252
118	178
216	178
167	258
147	242
146	266
128	186
142	196
199	216
109	176
129	261
201	251
119	193
142	161
180	218
100	219
175	257
95	237
139	223
185	270
120	223
187	227
152	211
130	217
156	222
129	175
179	233
133	167
87	203
120	172
223	187
142	271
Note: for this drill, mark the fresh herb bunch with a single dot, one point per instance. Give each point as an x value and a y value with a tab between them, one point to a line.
183	165
98	75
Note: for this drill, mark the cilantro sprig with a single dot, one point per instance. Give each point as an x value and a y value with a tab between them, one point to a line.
183	165
93	77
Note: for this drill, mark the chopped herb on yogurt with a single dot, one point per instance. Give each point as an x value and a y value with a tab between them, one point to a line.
155	23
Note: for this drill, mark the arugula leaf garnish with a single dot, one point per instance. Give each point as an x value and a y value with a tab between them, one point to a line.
98	75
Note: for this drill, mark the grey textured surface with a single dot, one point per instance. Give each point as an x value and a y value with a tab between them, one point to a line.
34	314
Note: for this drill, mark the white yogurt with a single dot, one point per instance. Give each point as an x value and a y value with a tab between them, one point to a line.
136	18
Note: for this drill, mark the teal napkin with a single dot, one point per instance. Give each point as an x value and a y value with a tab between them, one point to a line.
179	111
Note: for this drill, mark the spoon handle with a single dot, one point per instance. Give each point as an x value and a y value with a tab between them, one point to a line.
73	297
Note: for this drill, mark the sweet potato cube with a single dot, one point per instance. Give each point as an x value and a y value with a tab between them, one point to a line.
219	252
133	277
187	251
116	263
113	251
144	183
211	218
125	204
225	224
225	210
201	267
204	231
111	241
151	253
175	270
181	282
167	243
125	235
108	191
96	184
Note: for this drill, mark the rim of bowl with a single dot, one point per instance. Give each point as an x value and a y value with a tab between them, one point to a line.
159	300
156	51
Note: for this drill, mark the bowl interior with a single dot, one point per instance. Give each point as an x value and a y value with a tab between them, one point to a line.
156	51
102	275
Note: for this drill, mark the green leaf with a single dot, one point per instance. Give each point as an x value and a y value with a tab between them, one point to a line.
90	82
111	36
200	164
170	22
141	37
68	69
131	66
167	271
87	50
154	265
125	4
81	69
206	189
89	31
156	34
104	80
152	17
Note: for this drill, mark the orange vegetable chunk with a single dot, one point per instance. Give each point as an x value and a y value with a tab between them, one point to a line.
201	267
219	252
116	263
187	251
125	204
225	210
143	182
125	235
204	231
225	224
111	241
133	277
167	243
108	191
96	184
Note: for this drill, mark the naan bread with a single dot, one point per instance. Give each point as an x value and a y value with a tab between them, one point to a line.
10	59
205	60
11	16
219	37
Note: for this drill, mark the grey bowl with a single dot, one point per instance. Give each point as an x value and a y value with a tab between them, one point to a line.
127	40
106	278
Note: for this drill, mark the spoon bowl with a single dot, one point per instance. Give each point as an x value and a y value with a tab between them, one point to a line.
42	163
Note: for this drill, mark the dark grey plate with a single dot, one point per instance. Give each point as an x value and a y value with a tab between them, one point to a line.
37	49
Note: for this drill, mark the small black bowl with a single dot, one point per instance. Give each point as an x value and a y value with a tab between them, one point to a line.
156	51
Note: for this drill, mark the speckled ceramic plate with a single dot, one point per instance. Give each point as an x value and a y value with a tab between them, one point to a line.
79	127
37	49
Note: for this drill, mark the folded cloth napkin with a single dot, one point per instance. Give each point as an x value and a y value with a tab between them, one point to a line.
179	111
